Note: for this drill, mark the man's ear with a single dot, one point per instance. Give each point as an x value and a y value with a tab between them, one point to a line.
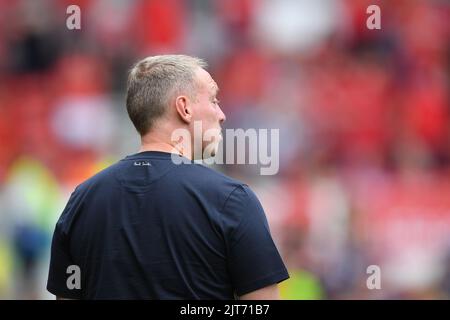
183	108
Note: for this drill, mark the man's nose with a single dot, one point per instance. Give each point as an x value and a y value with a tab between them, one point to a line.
222	117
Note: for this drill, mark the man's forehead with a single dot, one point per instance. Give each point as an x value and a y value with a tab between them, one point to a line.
206	78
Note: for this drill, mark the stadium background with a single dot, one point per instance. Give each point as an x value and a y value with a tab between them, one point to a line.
363	116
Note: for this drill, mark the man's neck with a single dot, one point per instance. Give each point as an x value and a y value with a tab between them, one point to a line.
159	140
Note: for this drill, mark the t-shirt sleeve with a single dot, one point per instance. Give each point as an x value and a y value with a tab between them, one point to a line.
63	271
253	259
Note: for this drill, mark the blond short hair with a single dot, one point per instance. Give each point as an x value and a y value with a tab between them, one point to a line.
154	81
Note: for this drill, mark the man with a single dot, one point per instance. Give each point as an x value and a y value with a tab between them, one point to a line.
149	227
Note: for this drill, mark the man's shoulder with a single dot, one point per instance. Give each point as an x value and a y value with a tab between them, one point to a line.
203	178
100	177
210	177
233	197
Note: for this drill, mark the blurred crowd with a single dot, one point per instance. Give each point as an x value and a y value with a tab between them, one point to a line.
364	119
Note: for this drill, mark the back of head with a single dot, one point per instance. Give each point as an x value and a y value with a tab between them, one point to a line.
154	81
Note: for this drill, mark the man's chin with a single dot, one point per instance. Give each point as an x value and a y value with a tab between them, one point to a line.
210	151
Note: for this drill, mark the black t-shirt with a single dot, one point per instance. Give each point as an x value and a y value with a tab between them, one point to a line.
147	228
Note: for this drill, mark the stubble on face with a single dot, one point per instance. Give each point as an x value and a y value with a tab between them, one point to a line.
209	114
